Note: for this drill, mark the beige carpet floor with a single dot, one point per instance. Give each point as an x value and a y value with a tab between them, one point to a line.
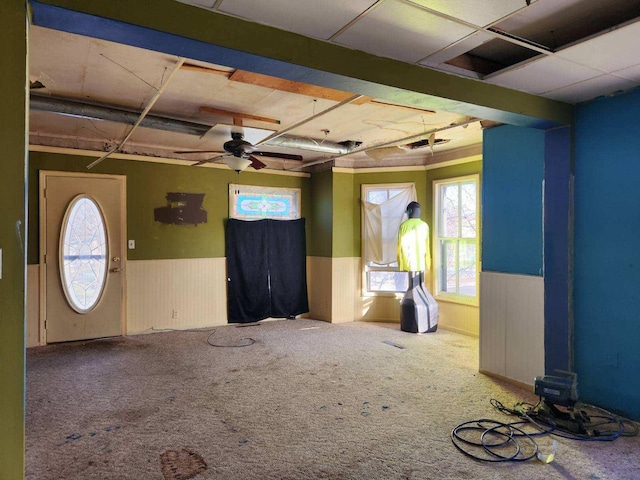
307	400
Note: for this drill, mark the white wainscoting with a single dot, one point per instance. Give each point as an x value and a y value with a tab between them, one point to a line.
33	306
346	288
319	288
459	317
512	325
179	294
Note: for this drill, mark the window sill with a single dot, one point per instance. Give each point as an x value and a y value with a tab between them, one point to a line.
460	301
397	295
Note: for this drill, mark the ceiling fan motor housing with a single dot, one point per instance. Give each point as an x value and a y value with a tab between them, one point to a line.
238	146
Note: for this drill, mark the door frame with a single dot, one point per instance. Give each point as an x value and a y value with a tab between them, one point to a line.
43	174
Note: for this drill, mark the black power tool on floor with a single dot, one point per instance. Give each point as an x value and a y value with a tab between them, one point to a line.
559	391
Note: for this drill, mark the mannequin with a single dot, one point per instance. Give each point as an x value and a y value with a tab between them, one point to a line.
419	313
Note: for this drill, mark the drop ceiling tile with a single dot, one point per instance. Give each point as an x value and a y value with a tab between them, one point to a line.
306	17
477	13
403	32
542	75
630	73
609	52
590	89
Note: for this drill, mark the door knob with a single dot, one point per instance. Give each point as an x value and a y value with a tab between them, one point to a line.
115	269
115	259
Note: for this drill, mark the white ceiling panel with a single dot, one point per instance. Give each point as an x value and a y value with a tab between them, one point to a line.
590	89
403	32
631	73
312	18
477	13
542	75
609	52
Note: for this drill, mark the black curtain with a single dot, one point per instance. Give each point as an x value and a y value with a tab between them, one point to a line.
266	268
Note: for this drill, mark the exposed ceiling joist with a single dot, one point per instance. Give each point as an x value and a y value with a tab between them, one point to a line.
238	115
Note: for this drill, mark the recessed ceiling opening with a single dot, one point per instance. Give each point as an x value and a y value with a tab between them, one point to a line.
548	26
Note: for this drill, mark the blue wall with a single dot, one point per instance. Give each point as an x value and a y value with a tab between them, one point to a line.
557	223
607	252
512	173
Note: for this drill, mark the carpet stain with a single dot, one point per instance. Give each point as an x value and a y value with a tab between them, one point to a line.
181	464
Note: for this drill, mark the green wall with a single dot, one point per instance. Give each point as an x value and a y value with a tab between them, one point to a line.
320	226
346	214
13	81
147	186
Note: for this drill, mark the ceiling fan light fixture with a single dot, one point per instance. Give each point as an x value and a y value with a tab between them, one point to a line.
237	164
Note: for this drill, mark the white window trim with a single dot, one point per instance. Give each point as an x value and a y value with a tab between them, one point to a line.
365	269
445	296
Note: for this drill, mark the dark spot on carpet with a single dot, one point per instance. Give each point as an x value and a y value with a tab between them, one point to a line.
181	464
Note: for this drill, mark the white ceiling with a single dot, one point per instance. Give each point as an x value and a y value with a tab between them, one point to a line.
569	50
94	71
600	55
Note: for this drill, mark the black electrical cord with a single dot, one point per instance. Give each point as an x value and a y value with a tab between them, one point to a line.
250	341
513	433
488	429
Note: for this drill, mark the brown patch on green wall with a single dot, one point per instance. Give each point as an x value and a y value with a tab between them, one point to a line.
147	186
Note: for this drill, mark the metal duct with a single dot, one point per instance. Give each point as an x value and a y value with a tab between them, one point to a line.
116	114
100	112
312	145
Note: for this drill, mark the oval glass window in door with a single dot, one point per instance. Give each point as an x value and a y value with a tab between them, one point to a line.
83	254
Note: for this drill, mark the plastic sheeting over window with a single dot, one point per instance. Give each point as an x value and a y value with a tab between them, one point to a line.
382	220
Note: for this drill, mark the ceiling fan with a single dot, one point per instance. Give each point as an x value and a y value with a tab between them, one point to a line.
243	154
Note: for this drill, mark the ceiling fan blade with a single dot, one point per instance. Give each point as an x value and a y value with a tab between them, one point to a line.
207	160
285	156
255	163
198	151
201	162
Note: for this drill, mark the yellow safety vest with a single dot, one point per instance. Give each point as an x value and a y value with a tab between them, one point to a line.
413	246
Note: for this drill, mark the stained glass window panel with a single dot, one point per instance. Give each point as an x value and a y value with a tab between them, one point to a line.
83	251
249	202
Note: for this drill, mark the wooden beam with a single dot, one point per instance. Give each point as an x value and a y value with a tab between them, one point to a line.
289	86
238	115
198	68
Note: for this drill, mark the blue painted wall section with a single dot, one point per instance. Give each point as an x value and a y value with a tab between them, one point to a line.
557	222
512	173
607	253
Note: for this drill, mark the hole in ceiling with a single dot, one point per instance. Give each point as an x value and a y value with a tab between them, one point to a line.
548	25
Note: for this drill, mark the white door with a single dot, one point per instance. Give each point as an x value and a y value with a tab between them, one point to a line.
82	255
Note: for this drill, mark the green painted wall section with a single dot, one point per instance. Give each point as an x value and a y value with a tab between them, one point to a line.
13	81
320	227
346	208
147	186
410	84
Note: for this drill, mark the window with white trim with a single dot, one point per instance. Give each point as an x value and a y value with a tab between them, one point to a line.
456	238
383	210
